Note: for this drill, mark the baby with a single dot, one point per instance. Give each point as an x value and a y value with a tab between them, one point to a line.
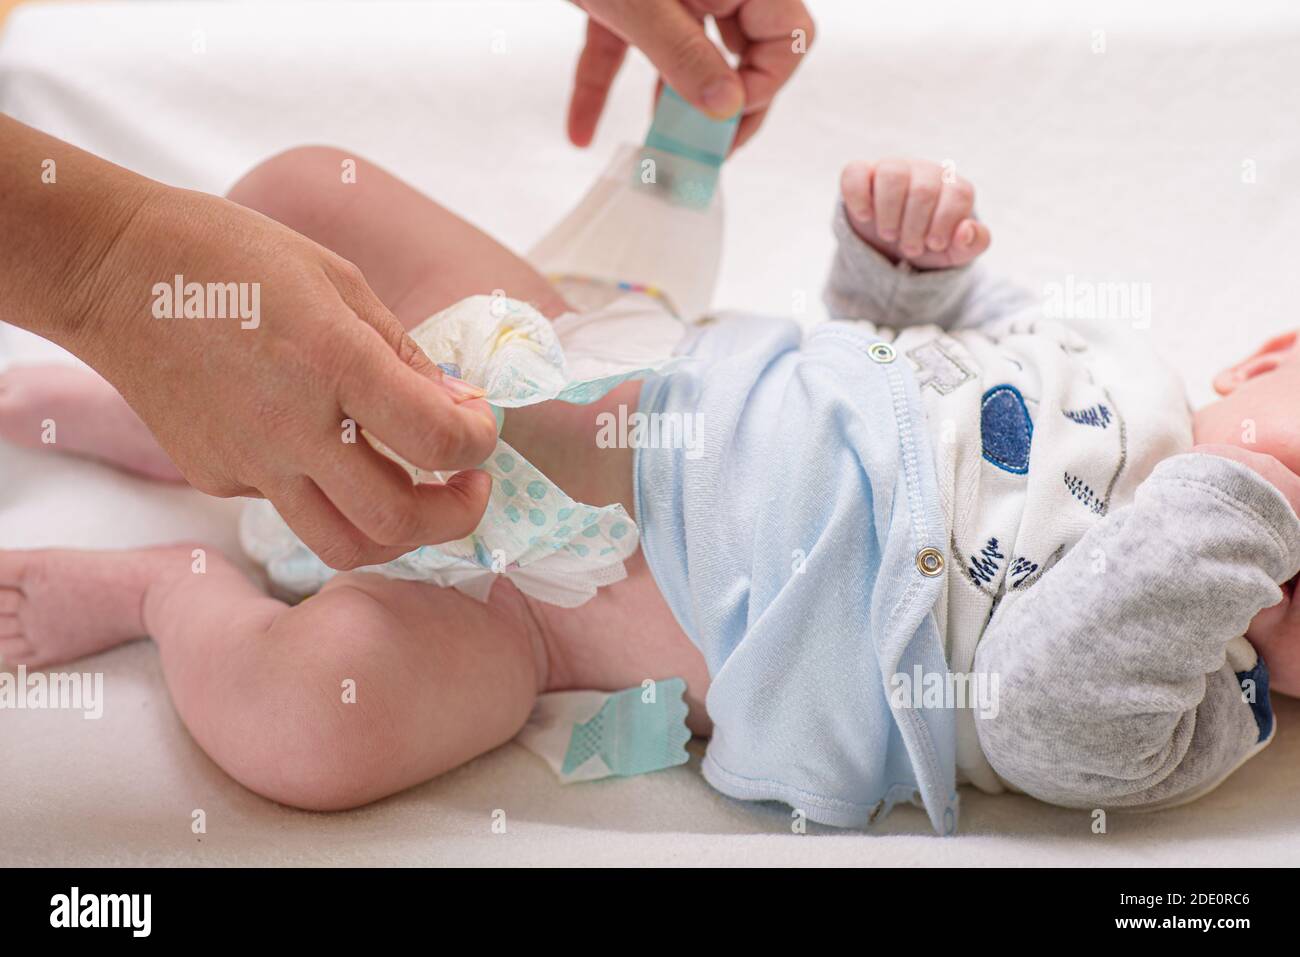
942	483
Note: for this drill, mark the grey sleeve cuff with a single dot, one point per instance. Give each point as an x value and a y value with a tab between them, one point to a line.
1237	489
1115	684
865	285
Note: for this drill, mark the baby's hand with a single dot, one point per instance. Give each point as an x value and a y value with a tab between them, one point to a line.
907	209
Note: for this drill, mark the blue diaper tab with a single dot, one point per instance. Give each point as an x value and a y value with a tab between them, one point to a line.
586	735
688	149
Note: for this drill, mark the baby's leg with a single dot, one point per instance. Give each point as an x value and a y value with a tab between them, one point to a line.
365	689
417	256
71	409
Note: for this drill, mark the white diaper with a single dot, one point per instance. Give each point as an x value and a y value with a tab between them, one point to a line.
553	548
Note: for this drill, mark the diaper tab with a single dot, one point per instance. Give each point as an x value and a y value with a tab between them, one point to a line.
587	735
687	148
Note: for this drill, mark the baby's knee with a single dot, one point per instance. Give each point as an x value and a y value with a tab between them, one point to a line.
330	733
287	186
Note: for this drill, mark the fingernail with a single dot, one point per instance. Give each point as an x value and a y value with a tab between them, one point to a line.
887	235
491	416
722	98
967	235
911	249
461	391
936	243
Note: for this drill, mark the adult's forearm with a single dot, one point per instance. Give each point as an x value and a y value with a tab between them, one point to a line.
62	212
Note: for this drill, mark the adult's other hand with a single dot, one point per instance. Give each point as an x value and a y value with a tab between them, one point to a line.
769	37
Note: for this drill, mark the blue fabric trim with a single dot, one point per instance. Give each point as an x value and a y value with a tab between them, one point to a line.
1006	430
1262	706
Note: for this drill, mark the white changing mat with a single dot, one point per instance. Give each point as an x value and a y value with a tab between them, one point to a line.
1122	165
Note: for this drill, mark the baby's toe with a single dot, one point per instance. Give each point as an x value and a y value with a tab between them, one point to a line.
14	647
12	393
13	569
16	650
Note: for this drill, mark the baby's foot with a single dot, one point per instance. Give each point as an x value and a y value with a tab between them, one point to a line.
74	410
914	210
59	605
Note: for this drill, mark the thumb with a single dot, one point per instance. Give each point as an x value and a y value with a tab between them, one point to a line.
675	42
434	421
468	397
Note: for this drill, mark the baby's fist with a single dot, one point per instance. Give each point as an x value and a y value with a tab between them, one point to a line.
914	210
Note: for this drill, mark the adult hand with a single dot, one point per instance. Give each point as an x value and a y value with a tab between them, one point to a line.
768	36
269	404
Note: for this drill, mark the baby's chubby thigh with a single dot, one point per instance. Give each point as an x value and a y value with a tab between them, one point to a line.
621	638
380	684
626	634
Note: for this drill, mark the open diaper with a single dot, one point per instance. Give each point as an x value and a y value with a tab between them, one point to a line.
550	546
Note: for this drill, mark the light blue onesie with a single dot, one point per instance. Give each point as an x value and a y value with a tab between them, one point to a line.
789	552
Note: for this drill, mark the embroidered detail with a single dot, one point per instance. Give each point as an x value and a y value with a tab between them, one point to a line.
1006	430
1084	493
1098	415
1100	504
1259	702
1036	573
938	368
983	568
972	580
1021	568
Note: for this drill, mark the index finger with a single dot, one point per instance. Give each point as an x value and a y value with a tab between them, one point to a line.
599	62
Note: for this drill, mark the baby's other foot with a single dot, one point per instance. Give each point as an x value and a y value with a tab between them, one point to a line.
73	410
58	605
914	210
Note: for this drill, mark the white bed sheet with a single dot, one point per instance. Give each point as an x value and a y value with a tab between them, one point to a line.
1124	165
